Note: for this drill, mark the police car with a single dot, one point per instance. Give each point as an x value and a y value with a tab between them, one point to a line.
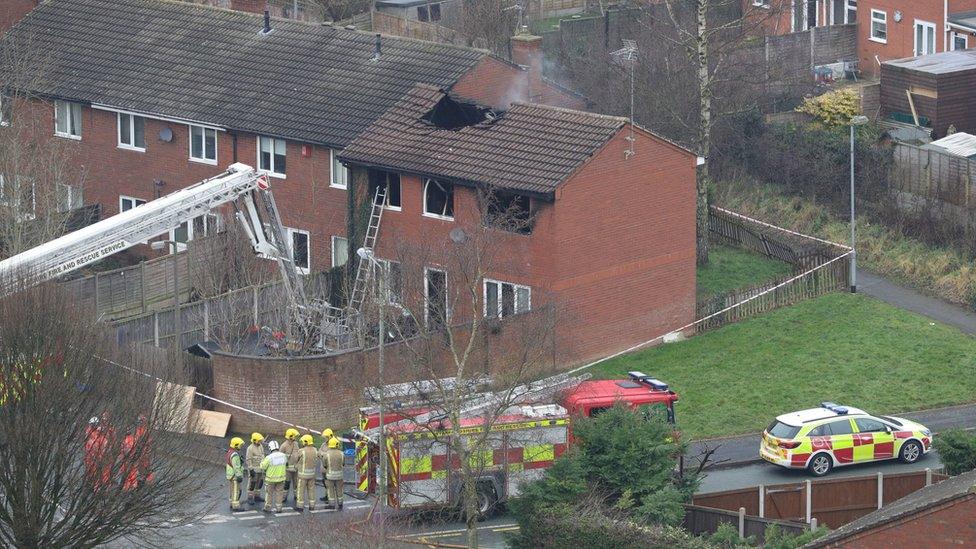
820	439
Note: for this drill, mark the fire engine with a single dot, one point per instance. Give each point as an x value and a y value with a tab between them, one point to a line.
522	443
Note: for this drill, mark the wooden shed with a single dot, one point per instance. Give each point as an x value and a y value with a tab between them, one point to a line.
935	91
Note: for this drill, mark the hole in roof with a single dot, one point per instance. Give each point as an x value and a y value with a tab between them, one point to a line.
451	114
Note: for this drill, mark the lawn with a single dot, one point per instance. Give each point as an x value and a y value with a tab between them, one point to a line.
845	348
732	268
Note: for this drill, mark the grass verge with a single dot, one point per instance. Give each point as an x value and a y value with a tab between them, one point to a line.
942	272
850	349
732	268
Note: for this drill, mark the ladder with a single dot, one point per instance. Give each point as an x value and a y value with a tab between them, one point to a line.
364	268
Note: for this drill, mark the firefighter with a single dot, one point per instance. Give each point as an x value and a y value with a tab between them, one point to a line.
333	465
135	457
290	447
275	468
305	461
255	476
235	472
98	472
327	435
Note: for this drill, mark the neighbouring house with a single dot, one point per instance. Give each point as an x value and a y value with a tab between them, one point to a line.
933	91
940	515
777	17
152	96
426	11
608	235
12	11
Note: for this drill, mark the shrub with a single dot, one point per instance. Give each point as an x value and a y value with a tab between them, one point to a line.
957	449
776	538
727	536
834	108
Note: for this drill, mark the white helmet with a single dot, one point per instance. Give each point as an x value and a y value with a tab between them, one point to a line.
273	445
93	420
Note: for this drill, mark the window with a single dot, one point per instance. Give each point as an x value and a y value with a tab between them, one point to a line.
132	132
67	119
389	180
203	144
394	272
300	249
851	11
17	194
436	313
271	156
340	251
868	425
841	427
503	299
126	203
820	431
71	197
438	199
509	212
200	227
340	173
804	14
959	41
924	37
843	11
779	429
4	111
879	26
761	3
428	13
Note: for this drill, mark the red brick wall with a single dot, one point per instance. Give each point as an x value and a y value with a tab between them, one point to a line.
252	6
499	84
773	20
948	525
12	11
626	235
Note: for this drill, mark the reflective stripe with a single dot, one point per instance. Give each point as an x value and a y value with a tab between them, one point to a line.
539	452
419	464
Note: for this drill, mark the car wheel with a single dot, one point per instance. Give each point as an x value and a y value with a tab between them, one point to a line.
911	451
820	465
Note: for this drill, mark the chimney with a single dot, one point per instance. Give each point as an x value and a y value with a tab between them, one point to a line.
379	47
267	22
527	51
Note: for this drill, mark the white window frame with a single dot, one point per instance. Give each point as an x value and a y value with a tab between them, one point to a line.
332	253
883	21
344	184
956	34
428	181
4	107
924	25
392	298
291	240
761	3
208	219
136	202
272	172
189	144
515	288
132	132
74	197
447	302
67	133
21	214
850	6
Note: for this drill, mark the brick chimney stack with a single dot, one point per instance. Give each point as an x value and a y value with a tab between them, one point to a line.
527	51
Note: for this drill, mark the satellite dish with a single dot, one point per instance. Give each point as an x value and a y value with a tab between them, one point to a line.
166	135
458	236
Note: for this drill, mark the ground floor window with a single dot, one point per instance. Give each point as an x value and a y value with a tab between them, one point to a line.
301	254
394	280
504	299
340	251
436	312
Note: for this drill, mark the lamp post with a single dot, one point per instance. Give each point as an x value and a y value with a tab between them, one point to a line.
366	254
159	245
858	120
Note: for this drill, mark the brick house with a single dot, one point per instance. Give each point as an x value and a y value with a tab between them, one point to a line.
156	95
940	515
776	17
608	236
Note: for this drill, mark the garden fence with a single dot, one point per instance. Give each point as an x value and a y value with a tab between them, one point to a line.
934	182
706	520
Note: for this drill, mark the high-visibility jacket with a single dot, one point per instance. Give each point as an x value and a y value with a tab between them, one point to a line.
333	463
275	467
305	462
234	464
254	456
289	448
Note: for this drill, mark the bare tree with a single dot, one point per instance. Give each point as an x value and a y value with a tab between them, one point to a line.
40	181
66	479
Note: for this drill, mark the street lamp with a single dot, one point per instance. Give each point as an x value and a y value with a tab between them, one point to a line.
158	246
858	120
366	254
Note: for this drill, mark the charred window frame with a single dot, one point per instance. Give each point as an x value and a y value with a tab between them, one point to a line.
391	181
508	211
438	199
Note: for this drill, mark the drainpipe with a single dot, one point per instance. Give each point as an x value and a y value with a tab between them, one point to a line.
233	138
945	25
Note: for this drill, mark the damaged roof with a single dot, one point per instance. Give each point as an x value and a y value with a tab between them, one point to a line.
529	148
302	81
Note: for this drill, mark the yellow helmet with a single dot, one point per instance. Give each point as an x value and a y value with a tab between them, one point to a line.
291	434
327	433
256	438
236	442
333	442
307	440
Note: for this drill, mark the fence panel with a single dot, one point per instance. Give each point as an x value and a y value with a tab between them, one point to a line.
704	520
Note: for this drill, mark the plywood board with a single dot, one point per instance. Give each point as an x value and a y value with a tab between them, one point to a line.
207	422
175	403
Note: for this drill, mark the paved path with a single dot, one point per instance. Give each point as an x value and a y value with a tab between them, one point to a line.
911	300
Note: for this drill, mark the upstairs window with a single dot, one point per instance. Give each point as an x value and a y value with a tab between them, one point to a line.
132	132
301	252
503	299
438	199
340	173
67	119
203	144
389	180
509	212
429	13
851	11
879	26
271	155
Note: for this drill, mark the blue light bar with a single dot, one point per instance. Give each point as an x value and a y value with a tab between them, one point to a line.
833	407
641	377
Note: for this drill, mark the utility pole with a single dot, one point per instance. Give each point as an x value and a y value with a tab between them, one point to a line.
859	120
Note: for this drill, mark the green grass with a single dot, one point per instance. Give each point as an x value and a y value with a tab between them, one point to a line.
850	349
732	268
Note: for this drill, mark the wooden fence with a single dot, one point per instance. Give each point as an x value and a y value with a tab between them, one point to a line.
706	520
828	276
936	182
420	30
832	502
